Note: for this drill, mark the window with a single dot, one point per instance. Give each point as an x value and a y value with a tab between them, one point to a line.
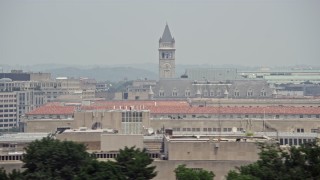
317	116
301	116
187	93
290	142
219	92
263	93
174	92
205	93
300	130
239	129
281	141
161	93
236	93
314	130
250	93
211	93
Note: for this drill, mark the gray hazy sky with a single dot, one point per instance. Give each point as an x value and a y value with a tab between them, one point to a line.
85	32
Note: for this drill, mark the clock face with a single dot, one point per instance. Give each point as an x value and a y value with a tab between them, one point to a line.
167	66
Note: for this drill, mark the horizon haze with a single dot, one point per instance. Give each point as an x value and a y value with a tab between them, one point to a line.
88	32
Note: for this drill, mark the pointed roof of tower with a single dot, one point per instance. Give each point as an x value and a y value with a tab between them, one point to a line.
166	36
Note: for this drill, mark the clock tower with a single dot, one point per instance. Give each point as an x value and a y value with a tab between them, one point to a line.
167	55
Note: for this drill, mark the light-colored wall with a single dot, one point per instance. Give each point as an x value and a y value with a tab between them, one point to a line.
90	139
42	125
212	151
141	95
114	142
40	76
287	125
165	169
108	120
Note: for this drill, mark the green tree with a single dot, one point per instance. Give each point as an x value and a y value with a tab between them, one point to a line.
99	170
53	159
183	173
3	174
294	164
135	164
14	175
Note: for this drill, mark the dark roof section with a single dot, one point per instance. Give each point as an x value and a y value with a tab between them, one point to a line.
16	76
166	36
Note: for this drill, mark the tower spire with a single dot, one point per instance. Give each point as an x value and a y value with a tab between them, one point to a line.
166	36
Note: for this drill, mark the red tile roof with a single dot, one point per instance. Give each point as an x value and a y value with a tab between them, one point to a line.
53	110
173	107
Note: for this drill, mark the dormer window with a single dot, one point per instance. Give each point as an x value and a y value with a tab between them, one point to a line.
236	93
263	93
250	93
219	92
161	93
211	93
205	93
174	92
187	93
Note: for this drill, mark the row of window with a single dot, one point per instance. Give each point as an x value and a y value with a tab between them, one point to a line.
7	105
260	116
7	115
7	120
7	100
97	155
294	141
7	125
211	93
7	96
51	117
131	116
206	129
7	110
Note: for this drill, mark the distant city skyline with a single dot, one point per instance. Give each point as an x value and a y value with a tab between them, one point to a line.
88	32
